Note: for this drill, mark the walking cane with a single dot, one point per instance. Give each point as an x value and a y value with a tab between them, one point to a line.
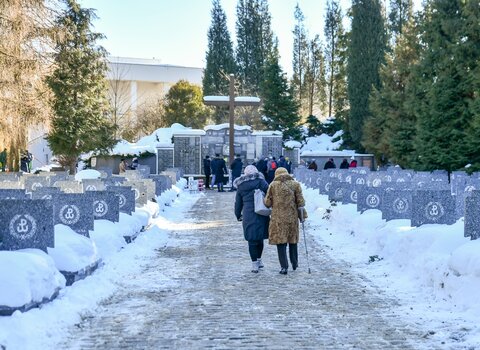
305	239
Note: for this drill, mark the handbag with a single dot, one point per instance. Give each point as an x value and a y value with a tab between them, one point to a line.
260	207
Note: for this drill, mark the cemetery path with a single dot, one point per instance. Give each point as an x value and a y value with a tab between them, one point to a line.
199	293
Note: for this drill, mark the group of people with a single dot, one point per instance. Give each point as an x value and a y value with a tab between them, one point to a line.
284	196
268	166
330	164
123	166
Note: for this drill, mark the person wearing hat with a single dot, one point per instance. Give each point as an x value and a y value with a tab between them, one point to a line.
285	197
255	227
353	163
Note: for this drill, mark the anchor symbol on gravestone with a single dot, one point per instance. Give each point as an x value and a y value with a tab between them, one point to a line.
400	205
400	179
338	193
22	227
101	208
332	174
69	214
376	182
319	181
388	178
91	188
47	196
327	186
434	211
353	196
470	188
68	190
362	172
360	181
121	200
372	200
348	179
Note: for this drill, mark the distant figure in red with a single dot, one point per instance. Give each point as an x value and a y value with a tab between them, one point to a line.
353	163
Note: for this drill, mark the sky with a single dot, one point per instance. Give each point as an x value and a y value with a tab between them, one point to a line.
175	31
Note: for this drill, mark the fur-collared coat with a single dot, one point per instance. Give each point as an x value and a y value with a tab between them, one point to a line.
284	196
255	227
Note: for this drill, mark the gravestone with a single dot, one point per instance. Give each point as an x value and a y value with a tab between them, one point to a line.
144	171
12	185
126	198
46	193
114	181
133	175
33	182
151	188
433	207
74	210
397	204
162	183
335	191
10	177
69	186
472	215
93	185
105	205
26	224
140	192
14	194
369	198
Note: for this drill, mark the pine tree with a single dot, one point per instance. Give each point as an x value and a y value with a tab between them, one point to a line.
315	83
184	105
400	14
254	43
219	57
445	74
365	55
80	87
279	106
300	60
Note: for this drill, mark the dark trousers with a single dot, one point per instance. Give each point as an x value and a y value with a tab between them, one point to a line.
292	252
220	186
207	180
255	248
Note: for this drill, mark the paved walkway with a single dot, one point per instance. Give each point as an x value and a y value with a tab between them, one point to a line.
200	294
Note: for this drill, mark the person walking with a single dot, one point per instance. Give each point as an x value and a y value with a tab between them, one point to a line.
261	165
219	169
285	197
207	170
344	164
272	165
255	227
3	159
329	164
236	168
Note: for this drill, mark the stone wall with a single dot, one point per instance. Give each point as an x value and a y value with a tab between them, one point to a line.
164	158
188	154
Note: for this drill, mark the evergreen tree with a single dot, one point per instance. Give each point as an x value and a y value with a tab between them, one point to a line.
334	53
279	106
400	14
219	57
254	43
300	60
365	55
184	105
446	75
79	85
315	83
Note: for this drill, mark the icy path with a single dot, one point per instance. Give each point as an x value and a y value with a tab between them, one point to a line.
199	293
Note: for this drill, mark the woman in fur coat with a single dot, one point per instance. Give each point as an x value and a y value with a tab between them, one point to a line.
255	227
285	198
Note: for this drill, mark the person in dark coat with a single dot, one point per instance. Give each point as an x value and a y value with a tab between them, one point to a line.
219	168
262	166
281	162
255	227
330	164
236	168
288	165
25	160
207	171
3	159
272	165
313	165
344	164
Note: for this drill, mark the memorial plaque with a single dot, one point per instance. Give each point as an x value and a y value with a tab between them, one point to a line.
144	171
69	186
105	205
397	204
26	224
335	191
433	207
74	210
472	215
115	181
33	182
369	198
46	193
126	198
93	185
14	194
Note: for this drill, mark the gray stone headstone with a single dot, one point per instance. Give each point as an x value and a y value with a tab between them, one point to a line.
14	194
433	207
140	192
133	175
93	185
336	191
472	215
34	182
10	177
151	188
105	205
144	170
69	186
162	183
397	204
46	193
74	210
26	224
115	181
11	185
369	198
126	198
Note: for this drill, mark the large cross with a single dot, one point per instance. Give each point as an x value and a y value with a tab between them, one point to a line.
232	102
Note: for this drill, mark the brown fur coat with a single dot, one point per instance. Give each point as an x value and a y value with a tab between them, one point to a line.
284	196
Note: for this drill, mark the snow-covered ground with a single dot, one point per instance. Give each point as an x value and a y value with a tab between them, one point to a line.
433	270
43	327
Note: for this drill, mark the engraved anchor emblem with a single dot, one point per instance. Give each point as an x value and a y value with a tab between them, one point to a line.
69	214
101	208
372	200
23	226
434	211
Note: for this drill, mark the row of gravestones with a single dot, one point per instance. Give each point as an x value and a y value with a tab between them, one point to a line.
422	197
28	214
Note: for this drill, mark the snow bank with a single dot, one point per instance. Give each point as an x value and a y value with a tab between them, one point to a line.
27	276
73	252
87	174
321	143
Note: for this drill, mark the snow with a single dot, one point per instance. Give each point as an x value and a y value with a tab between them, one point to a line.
216	98
31	274
433	270
87	174
293	144
226	126
267	133
316	145
250	99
